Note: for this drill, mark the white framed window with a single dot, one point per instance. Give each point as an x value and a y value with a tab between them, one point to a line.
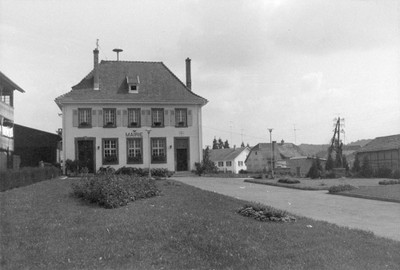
134	151
181	117
109	119
228	163
158	150
157	117
240	163
220	164
110	151
133	117
84	117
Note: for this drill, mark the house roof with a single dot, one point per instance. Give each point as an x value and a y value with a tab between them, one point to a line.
9	84
156	84
282	151
225	154
382	144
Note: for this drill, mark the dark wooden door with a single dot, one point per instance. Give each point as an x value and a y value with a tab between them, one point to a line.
181	160
85	154
182	154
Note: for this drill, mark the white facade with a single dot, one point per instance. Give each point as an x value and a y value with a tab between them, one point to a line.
97	133
233	161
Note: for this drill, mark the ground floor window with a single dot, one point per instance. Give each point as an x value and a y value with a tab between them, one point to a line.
134	151
110	151
228	163
158	150
220	164
240	163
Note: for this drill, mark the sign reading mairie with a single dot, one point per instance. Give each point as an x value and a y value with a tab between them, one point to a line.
134	134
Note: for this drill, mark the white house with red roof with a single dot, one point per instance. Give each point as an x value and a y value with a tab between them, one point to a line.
136	114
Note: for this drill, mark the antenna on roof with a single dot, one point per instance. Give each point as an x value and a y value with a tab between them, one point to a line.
97	44
117	51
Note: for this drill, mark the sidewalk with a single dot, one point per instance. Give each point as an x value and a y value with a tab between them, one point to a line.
382	218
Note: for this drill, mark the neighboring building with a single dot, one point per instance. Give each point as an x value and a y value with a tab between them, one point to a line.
260	156
34	145
124	110
299	166
7	88
230	159
382	152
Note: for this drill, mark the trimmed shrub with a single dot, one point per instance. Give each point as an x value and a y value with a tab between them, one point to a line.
288	181
156	172
389	182
26	176
112	191
340	188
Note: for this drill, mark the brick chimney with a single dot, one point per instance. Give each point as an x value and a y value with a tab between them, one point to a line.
96	83
188	74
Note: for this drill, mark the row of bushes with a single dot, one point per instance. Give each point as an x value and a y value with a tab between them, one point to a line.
340	188
139	172
288	181
389	182
112	191
26	176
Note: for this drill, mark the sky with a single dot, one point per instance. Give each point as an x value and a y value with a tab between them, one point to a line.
290	65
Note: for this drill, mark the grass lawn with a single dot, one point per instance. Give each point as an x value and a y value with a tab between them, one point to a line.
388	192
43	227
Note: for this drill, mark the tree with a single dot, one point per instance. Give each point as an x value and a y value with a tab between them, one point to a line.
315	169
207	165
248	145
356	165
329	163
345	163
338	161
215	144
366	168
226	144
220	144
242	145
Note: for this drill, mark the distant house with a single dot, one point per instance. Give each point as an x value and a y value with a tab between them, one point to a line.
262	154
34	145
382	152
231	159
300	166
7	88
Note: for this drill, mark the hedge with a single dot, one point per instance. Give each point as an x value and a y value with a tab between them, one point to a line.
26	176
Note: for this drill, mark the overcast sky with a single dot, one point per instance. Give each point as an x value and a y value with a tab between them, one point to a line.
281	64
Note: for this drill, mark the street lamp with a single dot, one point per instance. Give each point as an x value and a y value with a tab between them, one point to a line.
148	137
272	152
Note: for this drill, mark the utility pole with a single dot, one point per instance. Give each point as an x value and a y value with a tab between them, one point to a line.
272	152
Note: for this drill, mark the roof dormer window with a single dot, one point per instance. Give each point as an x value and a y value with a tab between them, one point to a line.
133	84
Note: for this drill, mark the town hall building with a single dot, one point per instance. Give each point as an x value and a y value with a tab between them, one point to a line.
134	114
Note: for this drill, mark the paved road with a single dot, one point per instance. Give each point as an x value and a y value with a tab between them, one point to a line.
382	218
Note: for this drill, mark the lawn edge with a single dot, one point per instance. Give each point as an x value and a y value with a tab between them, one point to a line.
365	197
255	181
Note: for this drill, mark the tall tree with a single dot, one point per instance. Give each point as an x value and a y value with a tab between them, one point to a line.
226	144
242	145
215	144
329	163
220	144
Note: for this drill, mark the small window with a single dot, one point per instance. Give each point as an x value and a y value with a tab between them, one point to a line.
220	164
240	163
134	151
158	150
228	163
109	118
134	118
84	118
133	84
181	117
110	151
157	117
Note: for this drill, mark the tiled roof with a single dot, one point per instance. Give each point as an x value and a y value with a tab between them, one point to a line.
381	144
281	151
9	84
157	84
225	154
